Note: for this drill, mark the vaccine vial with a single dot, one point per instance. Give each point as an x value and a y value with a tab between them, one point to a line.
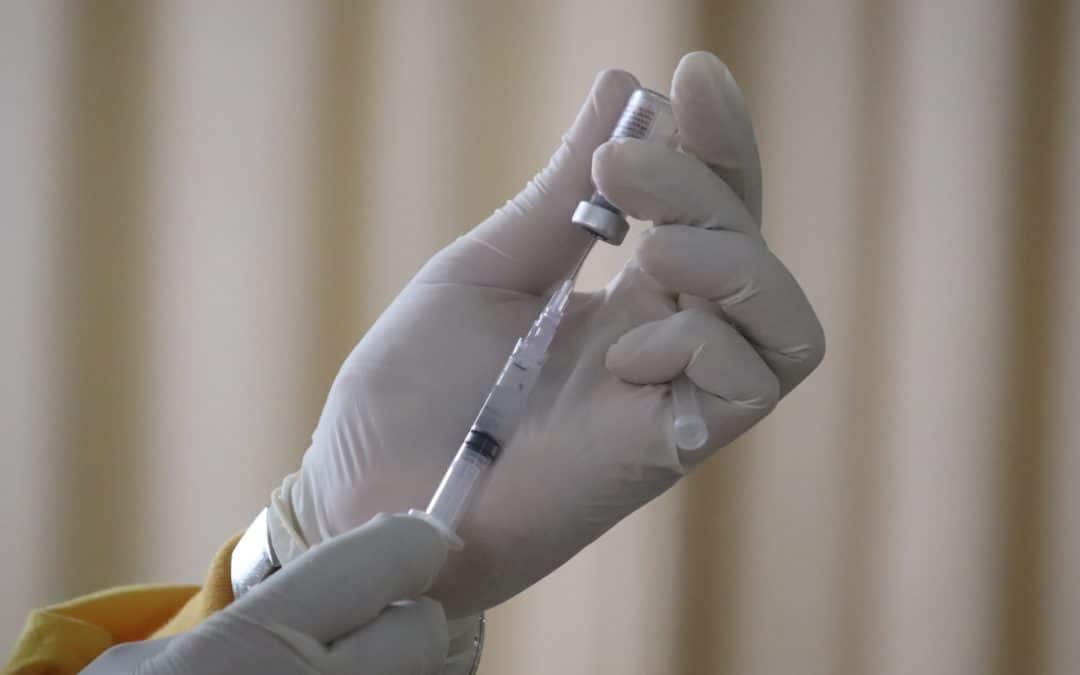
647	117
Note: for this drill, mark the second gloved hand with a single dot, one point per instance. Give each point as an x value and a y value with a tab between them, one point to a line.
595	442
352	605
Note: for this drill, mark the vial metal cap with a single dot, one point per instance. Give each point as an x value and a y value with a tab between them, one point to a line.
647	116
604	222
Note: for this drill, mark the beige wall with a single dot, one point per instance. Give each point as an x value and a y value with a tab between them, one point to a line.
204	204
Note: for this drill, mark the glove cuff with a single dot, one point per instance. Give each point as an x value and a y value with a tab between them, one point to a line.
272	540
252	559
285	535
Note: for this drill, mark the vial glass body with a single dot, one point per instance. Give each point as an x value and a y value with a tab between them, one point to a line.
647	117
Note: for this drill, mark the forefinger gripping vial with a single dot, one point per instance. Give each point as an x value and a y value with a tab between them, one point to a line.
646	117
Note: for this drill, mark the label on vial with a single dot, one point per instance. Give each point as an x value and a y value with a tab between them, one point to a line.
647	117
635	123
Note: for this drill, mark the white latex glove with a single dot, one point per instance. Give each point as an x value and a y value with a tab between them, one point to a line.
595	442
329	612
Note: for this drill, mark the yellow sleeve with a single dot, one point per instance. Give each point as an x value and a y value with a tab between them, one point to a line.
65	638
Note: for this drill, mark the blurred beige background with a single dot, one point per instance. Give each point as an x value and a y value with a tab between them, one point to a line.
204	204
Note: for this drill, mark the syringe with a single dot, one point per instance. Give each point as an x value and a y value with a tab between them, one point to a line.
499	415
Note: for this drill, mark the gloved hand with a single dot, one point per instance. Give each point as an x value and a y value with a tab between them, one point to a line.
328	612
595	442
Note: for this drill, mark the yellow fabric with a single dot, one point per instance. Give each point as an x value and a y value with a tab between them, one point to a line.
215	594
64	638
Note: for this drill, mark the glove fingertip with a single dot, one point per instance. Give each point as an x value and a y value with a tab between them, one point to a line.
424	544
623	356
613	358
596	119
610	90
701	68
715	125
644	355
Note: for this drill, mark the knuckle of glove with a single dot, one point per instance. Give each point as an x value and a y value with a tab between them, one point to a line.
810	352
720	359
766	393
815	352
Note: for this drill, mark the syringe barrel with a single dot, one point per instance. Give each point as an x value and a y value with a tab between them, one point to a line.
499	416
647	116
452	496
